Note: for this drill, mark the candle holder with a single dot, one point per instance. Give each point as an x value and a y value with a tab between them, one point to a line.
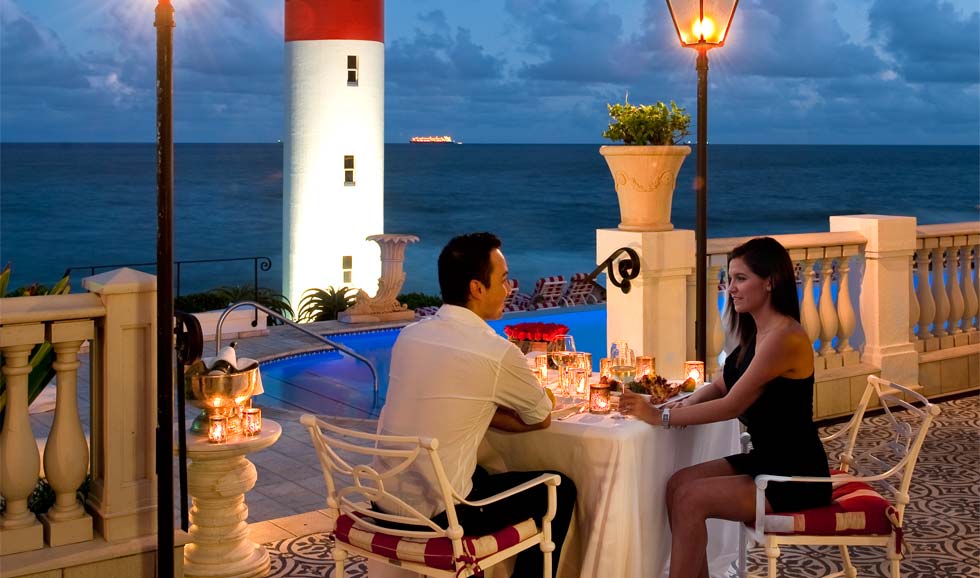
579	382
541	369
217	429
605	367
251	421
599	401
695	370
646	365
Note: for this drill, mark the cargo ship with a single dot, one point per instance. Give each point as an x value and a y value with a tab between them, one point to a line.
444	139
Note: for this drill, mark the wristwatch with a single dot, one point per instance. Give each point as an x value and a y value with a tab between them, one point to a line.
665	417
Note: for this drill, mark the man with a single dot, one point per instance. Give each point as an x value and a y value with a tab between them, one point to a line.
451	378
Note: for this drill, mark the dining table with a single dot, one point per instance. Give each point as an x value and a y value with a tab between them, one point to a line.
620	466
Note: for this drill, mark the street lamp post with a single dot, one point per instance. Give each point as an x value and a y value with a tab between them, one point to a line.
702	28
164	23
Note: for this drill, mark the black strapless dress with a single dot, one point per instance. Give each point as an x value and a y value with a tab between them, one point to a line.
784	439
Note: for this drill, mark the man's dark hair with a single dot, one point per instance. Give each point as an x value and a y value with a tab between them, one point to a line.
463	259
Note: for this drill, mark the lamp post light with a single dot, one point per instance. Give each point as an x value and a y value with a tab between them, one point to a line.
702	25
164	23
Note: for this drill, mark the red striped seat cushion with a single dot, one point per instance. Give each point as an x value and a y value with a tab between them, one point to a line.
434	552
856	509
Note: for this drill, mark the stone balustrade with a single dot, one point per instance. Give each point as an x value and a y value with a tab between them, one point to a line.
944	286
117	518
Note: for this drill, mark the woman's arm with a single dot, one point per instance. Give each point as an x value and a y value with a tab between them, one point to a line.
782	353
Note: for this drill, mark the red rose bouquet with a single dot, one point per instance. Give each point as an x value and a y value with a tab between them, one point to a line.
526	335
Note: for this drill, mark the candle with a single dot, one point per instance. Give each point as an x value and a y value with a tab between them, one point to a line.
251	421
645	365
599	398
605	367
580	380
695	370
217	429
541	369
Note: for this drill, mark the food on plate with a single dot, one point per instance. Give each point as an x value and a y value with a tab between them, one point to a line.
689	384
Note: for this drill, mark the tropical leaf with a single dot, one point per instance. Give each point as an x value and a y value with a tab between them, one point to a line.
324	304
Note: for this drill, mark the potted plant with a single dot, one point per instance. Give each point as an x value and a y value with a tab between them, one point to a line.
645	171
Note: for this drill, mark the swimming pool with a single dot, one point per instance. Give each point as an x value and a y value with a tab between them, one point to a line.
331	383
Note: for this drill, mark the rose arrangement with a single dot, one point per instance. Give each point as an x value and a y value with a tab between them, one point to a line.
535	331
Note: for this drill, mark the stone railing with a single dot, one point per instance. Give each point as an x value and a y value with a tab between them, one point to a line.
117	520
945	286
823	263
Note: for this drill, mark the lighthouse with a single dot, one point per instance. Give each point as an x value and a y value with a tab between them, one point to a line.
333	155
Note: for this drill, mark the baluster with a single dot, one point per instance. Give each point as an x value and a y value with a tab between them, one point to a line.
939	293
970	298
19	529
716	336
927	306
845	309
827	311
913	299
66	453
808	308
953	286
976	280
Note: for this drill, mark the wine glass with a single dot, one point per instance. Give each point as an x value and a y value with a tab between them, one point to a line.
623	367
561	351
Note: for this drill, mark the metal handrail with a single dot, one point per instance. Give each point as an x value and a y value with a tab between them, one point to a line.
291	323
629	268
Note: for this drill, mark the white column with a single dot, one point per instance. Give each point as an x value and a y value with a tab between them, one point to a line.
955	294
123	498
19	529
66	453
653	315
828	313
913	305
970	304
809	316
884	292
845	308
716	335
927	306
939	293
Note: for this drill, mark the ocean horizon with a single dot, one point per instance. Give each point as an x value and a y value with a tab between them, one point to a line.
83	204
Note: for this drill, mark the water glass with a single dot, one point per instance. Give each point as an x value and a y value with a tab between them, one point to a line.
561	351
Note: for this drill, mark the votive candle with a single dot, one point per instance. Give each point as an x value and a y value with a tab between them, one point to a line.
645	365
541	369
599	398
695	370
251	421
217	429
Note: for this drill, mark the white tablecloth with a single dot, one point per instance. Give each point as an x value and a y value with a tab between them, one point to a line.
620	468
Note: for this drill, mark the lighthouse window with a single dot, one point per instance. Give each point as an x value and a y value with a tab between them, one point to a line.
351	70
349	170
347	263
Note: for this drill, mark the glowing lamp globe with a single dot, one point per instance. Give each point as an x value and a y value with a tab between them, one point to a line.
702	22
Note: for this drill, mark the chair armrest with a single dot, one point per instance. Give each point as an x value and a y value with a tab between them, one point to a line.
549	479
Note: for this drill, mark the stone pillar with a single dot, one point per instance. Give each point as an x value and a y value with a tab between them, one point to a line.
885	293
20	462
652	317
122	497
66	453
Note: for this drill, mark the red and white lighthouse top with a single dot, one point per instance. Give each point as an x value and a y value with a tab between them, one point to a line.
335	20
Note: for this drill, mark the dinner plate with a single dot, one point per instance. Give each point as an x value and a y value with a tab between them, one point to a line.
676	397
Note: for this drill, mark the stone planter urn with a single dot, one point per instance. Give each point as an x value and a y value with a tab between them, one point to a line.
645	177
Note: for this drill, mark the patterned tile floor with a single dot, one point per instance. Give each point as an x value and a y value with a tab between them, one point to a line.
942	521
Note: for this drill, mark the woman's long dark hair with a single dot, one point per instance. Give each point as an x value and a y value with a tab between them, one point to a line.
768	259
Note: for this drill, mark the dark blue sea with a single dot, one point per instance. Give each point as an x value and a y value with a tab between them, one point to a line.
71	205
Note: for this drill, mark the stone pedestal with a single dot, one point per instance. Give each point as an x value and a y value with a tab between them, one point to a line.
217	478
652	317
384	306
885	293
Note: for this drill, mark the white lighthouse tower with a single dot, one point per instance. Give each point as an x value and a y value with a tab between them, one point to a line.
333	159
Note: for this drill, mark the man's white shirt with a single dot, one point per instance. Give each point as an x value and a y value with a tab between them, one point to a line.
449	373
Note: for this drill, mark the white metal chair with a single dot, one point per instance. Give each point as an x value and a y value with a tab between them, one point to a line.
859	515
412	541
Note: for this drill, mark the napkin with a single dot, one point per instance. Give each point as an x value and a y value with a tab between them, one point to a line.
227	361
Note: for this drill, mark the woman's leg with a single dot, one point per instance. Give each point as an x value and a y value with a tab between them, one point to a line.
684	476
729	497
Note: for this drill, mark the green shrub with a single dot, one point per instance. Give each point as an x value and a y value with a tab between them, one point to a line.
648	124
324	304
222	297
416	300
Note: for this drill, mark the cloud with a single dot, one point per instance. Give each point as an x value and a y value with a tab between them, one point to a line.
32	55
929	40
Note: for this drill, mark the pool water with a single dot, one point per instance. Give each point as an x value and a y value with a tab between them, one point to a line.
331	383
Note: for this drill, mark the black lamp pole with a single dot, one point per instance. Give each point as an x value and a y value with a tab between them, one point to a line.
164	24
701	225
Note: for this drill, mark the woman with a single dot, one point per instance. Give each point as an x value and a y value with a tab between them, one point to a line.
767	382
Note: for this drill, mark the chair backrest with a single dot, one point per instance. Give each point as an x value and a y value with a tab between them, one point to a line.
357	466
548	291
512	288
579	290
888	459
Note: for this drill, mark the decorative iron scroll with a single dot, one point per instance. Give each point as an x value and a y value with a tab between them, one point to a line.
628	268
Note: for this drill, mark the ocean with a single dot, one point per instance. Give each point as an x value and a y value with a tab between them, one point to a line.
72	205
